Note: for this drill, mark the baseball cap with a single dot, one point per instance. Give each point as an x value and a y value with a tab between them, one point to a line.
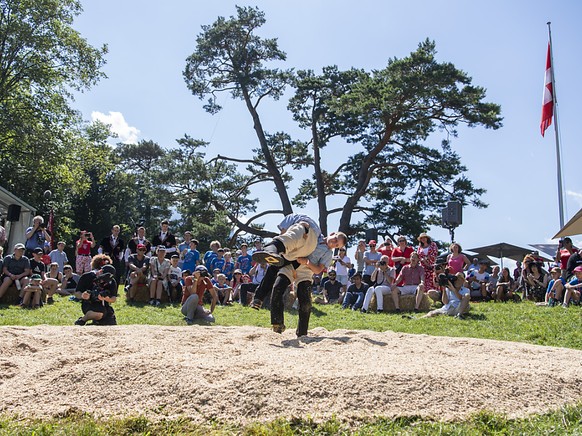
201	268
36	277
19	246
578	269
372	242
141	247
161	247
38	250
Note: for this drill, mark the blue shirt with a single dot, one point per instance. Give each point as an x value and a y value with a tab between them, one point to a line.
322	255
217	263
227	269
209	256
245	263
191	258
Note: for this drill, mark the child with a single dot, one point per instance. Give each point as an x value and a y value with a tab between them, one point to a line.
32	291
223	290
174	276
59	256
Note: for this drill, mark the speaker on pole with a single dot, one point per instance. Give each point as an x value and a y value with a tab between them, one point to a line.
371	234
13	213
453	213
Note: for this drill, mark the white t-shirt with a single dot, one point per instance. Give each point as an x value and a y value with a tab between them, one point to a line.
340	269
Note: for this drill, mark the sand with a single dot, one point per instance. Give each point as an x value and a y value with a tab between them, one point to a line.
242	374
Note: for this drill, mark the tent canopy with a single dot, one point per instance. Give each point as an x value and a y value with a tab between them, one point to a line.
503	249
572	227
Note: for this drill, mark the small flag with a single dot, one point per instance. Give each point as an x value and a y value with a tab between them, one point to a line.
548	100
50	228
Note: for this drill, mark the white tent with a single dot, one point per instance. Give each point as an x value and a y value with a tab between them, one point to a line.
15	230
572	227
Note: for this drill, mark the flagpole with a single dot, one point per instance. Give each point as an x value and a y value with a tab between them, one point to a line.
558	155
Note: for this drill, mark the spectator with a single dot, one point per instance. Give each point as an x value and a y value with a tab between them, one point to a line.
83	248
257	245
192	298
436	293
342	265
2	237
573	261
493	279
565	250
504	287
474	265
235	284
371	258
165	238
211	254
31	293
556	288
159	270
183	247
359	256
517	272
257	274
51	284
478	281
455	299
385	249
573	288
228	267
59	256
383	279
114	247
36	236
70	281
427	255
332	290
534	282
456	260
191	256
413	282
223	290
16	270
355	293
139	238
244	262
174	277
401	254
138	265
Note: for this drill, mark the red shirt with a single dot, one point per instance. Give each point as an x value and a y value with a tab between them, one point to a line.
202	286
386	251
83	248
564	256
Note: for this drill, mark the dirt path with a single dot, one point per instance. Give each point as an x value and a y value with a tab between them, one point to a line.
249	373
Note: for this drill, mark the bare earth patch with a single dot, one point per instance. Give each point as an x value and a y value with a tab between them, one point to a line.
241	374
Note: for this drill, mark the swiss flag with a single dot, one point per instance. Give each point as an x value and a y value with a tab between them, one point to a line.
548	101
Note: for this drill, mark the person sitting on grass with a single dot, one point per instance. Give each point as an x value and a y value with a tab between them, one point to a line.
159	269
174	280
52	282
31	294
535	282
193	294
455	299
69	282
16	270
97	290
572	293
556	288
223	290
332	290
356	293
138	265
505	287
478	282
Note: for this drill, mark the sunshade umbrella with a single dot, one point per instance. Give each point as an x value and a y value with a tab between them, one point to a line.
548	250
572	227
503	249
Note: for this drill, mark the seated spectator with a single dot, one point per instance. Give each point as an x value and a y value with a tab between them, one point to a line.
316	286
174	278
383	279
31	293
474	265
556	288
97	290
52	282
436	293
59	256
535	282
138	266
572	294
235	284
218	261
15	270
256	275
565	250
455	299
69	282
192	296
493	279
355	293
159	270
573	261
223	290
411	278
228	267
504	288
331	290
517	272
479	281
37	266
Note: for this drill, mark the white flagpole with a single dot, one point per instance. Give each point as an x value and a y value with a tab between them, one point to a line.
558	156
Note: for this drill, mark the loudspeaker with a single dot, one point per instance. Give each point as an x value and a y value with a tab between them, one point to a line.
453	213
13	213
371	234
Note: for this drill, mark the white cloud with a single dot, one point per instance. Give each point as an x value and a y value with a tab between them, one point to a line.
577	196
126	133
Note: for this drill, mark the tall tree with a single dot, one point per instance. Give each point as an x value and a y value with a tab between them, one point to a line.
391	114
230	57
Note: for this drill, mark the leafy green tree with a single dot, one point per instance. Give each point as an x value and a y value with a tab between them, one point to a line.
391	115
230	57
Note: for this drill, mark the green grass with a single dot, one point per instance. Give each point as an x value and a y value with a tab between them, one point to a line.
522	322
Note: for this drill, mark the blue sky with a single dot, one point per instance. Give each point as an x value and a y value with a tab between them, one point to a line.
501	44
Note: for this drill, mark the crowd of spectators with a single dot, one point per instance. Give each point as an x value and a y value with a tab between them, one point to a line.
175	270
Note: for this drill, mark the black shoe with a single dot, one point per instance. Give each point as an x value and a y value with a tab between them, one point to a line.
460	316
364	310
271	258
397	310
50	300
416	309
379	311
80	321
